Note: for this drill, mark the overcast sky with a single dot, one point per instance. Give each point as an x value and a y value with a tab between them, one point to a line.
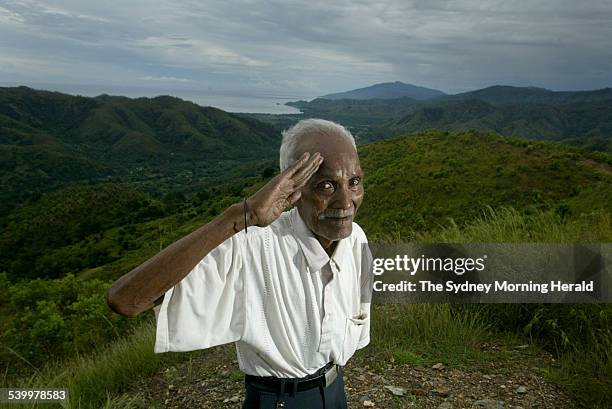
307	48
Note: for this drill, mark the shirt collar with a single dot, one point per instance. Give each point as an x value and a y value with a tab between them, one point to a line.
315	255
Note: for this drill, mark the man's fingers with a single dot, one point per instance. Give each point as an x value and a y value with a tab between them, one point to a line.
297	165
300	177
299	183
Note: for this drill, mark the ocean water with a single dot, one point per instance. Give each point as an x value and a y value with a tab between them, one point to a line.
231	101
268	104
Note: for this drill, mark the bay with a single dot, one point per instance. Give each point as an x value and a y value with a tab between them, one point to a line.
230	101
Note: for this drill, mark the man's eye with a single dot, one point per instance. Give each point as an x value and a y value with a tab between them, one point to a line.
355	182
325	186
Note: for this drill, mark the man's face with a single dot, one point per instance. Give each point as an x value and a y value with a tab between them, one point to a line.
330	199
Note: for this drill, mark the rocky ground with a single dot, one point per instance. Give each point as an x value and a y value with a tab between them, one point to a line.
213	380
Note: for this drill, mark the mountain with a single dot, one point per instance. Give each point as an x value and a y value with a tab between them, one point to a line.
581	118
49	139
388	90
588	124
503	94
123	128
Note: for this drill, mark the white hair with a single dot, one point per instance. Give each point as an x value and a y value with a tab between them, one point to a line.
293	135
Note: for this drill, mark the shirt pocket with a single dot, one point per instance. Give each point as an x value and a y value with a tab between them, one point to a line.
352	335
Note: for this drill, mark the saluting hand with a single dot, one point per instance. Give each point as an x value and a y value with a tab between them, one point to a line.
283	190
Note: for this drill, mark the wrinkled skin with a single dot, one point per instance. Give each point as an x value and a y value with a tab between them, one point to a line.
330	199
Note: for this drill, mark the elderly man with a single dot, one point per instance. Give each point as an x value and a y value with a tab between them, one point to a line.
291	289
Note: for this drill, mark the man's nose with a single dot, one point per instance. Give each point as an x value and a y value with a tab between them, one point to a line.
344	198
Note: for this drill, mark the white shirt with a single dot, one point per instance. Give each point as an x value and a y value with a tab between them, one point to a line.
266	291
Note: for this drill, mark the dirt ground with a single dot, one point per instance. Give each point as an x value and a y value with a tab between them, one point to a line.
213	380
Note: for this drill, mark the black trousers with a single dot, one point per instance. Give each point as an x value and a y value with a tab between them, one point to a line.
331	397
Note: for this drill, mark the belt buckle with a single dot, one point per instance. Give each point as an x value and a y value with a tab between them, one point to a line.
330	375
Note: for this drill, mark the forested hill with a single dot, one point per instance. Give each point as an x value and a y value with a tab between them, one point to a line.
587	124
504	94
581	118
48	139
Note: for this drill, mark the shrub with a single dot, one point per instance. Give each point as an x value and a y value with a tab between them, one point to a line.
57	318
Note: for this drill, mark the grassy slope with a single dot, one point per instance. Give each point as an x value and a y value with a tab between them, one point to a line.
416	182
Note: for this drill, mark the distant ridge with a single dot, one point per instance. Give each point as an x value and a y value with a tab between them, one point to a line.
581	118
506	94
388	90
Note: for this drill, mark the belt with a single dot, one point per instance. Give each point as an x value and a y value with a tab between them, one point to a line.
279	385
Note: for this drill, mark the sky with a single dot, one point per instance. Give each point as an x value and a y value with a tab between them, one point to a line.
306	48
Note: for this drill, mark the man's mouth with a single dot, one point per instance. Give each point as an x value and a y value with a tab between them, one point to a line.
337	218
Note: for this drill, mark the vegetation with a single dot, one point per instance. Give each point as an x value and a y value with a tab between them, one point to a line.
98	185
507	95
586	124
48	139
356	112
430	177
63	231
579	336
56	318
92	378
581	118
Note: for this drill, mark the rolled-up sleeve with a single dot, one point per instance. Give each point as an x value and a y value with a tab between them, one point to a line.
206	308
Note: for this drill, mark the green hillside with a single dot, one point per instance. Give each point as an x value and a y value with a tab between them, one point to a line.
62	232
418	182
588	124
503	94
48	139
355	112
580	118
81	238
367	119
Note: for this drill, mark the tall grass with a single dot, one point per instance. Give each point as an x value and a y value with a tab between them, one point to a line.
423	334
92	379
507	225
580	336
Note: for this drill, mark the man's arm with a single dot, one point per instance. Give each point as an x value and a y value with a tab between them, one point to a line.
145	286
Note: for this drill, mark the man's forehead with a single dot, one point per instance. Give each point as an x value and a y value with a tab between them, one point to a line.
336	165
328	144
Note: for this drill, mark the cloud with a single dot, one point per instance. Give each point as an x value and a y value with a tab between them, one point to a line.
165	79
312	47
10	17
195	51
